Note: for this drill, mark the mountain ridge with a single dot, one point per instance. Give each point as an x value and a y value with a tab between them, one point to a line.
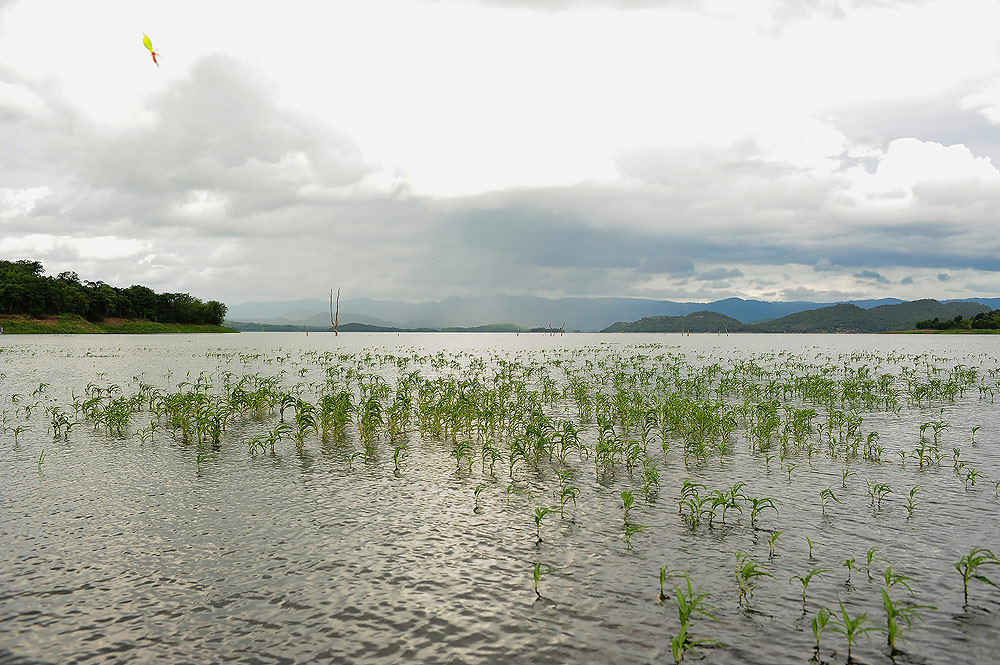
841	317
587	314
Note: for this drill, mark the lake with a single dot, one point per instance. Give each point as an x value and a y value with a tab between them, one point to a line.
200	499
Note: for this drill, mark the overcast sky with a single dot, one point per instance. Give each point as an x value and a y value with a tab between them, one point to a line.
416	149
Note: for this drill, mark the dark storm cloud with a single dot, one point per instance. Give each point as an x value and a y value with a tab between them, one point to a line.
532	239
677	228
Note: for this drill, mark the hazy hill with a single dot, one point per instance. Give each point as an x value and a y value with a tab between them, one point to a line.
525	311
844	317
701	321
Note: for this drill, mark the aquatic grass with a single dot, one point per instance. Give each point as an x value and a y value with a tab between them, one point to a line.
628	503
759	505
567	493
825	496
398	453
540	514
871	556
851	627
772	541
353	456
537	574
748	572
818	624
201	458
971	476
17	430
650	479
665	573
900	614
490	454
688	489
462	450
847	473
690	604
630	529
969	565
805	579
878	492
305	421
514	405
911	502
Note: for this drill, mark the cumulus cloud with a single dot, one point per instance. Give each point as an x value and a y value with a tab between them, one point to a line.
820	295
718	274
985	101
98	248
825	265
871	276
18	203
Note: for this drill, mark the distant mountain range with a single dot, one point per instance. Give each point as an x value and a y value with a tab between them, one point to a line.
586	314
844	317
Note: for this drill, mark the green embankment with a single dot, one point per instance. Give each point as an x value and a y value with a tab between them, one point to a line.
73	324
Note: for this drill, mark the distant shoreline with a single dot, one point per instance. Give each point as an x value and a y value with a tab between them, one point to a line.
365	327
72	324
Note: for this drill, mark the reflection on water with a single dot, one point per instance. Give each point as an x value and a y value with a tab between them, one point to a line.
127	549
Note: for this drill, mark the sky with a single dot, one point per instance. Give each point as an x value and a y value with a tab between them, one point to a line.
418	149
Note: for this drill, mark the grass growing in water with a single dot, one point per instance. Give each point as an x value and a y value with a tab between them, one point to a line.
969	565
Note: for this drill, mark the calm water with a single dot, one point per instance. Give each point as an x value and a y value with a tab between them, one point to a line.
123	548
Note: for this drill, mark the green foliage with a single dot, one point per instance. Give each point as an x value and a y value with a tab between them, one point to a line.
969	565
747	575
843	317
851	627
24	290
805	579
980	321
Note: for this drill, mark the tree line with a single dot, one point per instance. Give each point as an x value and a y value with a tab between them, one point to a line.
25	290
981	321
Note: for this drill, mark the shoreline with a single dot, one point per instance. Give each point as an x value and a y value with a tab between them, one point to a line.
72	324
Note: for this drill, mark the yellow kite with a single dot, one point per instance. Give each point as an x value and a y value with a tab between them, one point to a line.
147	42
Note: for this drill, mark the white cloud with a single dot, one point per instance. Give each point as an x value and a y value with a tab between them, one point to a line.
986	101
201	203
910	163
15	203
102	248
18	99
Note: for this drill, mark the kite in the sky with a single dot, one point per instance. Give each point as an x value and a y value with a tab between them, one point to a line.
149	44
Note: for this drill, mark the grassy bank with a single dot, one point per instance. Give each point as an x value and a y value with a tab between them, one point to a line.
949	331
72	324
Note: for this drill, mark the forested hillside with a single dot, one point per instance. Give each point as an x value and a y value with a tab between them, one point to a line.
24	289
843	317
